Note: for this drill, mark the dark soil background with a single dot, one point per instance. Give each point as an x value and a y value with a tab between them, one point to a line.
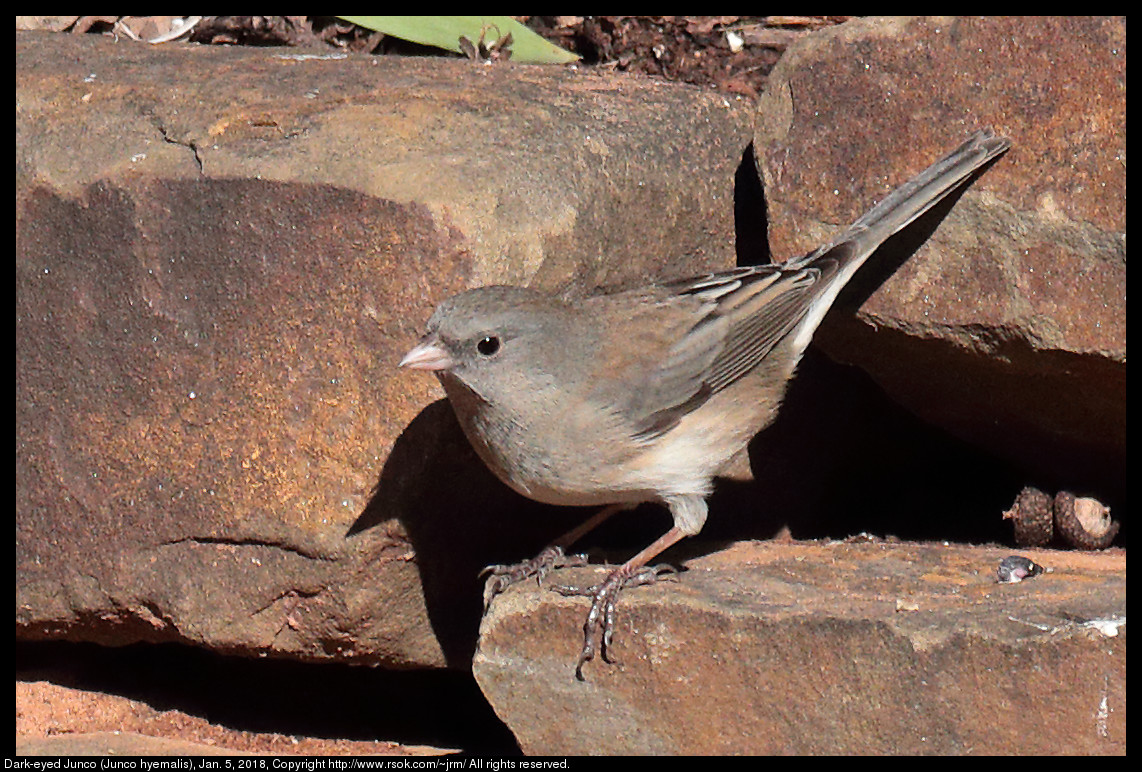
731	53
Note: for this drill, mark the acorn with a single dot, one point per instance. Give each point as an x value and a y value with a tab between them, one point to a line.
1033	515
1083	522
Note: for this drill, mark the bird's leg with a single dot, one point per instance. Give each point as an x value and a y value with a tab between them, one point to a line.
500	577
600	625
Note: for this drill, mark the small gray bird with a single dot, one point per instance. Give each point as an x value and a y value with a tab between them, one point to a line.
646	394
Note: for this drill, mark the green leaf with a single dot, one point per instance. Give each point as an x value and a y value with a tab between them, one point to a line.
445	32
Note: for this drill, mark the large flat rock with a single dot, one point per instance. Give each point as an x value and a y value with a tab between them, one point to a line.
824	648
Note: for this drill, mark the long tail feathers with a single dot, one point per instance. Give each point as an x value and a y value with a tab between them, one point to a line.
917	196
850	248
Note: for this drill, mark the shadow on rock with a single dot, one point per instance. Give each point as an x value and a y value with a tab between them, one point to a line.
459	518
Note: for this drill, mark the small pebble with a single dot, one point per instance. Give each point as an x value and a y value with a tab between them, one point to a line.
1016	568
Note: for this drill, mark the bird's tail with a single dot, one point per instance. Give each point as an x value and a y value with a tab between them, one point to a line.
914	198
851	247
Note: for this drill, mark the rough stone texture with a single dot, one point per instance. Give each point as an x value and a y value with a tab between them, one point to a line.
221	255
1008	327
115	744
824	648
83	719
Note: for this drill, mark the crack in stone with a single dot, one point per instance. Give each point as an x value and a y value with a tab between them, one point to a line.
249	542
191	144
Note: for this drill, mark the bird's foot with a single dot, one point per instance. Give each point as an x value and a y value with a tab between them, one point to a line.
500	577
599	628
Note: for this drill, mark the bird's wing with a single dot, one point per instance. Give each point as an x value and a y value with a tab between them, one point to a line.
688	340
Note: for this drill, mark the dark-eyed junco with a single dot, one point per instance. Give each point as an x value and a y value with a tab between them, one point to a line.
646	394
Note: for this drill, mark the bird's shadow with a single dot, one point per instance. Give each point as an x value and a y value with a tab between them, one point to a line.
458	518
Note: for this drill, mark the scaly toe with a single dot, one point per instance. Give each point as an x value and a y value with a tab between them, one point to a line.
500	577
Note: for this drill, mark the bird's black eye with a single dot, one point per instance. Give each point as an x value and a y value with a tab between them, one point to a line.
488	345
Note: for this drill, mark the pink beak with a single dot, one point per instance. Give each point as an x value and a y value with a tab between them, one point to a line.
427	355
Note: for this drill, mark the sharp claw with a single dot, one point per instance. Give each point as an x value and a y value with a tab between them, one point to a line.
492	588
599	627
609	626
588	652
500	577
495	570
